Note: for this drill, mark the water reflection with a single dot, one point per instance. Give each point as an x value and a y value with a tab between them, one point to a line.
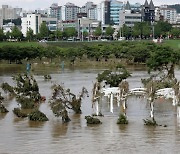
59	129
36	124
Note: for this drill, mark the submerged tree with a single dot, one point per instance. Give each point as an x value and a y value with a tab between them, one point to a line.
2	108
63	100
114	77
164	60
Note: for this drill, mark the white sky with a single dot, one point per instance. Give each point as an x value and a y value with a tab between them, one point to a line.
34	4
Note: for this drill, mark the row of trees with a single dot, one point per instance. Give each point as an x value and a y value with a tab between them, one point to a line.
133	52
146	30
143	30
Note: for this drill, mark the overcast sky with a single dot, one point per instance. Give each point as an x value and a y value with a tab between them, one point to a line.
34	4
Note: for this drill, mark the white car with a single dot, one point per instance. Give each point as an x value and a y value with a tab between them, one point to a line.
121	39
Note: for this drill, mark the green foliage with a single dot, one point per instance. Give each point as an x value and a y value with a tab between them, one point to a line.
142	29
26	103
58	34
164	59
126	31
122	119
162	29
175	32
92	120
149	122
2	108
137	30
30	34
2	35
109	31
70	32
7	88
98	31
37	116
43	30
63	99
16	33
113	78
18	112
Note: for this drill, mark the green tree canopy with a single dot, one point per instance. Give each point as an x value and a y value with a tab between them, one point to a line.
44	31
164	59
175	32
126	31
2	36
16	33
114	78
58	34
162	28
109	31
137	30
146	29
98	31
70	32
29	34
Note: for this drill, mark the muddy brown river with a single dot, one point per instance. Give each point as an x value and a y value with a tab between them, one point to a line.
21	136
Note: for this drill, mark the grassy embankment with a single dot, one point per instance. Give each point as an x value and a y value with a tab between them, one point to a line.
173	43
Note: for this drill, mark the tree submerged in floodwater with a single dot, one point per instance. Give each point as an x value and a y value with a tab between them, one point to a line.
2	108
63	100
114	77
27	91
122	119
92	120
37	115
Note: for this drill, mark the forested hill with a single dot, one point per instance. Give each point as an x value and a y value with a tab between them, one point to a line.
176	6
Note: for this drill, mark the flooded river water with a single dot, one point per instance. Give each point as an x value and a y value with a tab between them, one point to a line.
22	136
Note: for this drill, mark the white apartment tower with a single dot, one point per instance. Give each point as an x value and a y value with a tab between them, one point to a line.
32	21
169	14
71	11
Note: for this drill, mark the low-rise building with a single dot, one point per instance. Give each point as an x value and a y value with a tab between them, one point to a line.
34	21
8	27
129	18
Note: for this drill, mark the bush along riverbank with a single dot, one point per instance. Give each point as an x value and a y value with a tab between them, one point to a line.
112	53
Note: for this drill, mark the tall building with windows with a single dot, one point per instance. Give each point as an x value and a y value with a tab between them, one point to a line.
92	12
148	11
70	11
9	12
169	15
103	11
32	21
115	7
55	11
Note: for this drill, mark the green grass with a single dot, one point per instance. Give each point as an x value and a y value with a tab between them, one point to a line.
173	43
21	44
64	44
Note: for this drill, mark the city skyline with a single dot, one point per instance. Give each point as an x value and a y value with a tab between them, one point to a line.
42	4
